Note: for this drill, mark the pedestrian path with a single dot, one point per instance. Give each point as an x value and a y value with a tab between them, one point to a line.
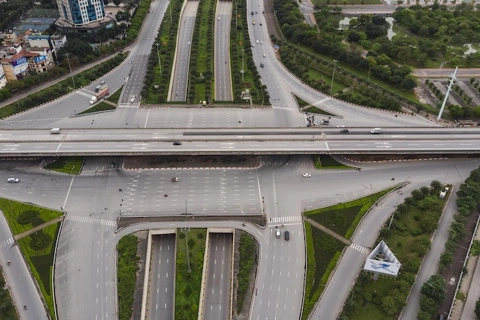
285	219
360	248
7	242
110	223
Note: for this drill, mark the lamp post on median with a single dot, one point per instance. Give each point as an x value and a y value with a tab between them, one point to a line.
70	67
158	55
333	75
185	231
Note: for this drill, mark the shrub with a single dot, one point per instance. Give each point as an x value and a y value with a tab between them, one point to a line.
27	217
40	240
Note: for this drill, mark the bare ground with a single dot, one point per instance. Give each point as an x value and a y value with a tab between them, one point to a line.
452	274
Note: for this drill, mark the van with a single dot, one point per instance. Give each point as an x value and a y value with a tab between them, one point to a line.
376	130
325	122
55	130
278	233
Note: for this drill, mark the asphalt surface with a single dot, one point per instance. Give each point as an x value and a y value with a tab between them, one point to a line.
223	78
179	77
162	278
219	278
319	145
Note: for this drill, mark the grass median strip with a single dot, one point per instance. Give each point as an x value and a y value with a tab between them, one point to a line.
127	275
99	107
37	247
188	279
246	262
70	165
324	161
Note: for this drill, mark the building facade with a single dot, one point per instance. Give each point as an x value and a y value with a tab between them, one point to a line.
81	12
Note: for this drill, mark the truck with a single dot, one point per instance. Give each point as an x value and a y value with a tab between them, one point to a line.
102	92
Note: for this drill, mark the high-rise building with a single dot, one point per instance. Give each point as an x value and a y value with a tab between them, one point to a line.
81	12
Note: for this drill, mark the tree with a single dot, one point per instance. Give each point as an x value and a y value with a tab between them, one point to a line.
434	288
417	194
477	309
456	112
389	305
436	185
409	201
117	2
402	208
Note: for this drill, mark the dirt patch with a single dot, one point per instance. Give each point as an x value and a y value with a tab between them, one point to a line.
452	275
270	19
173	162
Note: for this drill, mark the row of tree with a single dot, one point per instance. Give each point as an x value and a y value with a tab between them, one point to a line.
166	50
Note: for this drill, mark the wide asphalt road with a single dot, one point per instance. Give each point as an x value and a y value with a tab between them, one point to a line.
223	78
179	76
216	304
162	278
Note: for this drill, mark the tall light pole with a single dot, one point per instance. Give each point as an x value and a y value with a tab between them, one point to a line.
333	75
69	66
185	231
158	55
449	88
243	70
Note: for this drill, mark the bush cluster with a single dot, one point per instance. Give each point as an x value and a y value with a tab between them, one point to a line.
127	275
27	217
40	240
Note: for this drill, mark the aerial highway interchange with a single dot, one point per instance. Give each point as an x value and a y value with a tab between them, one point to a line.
85	264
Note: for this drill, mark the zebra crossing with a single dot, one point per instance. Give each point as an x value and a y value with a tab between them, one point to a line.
108	223
7	242
288	164
360	248
285	219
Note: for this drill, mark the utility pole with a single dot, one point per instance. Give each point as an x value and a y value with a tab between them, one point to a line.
158	55
333	75
449	88
70	67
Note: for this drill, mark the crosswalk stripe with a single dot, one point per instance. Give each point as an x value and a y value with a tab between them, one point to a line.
109	223
360	248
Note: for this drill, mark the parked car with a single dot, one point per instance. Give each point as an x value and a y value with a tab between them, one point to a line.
13	180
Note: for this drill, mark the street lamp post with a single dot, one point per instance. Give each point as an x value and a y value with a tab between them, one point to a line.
243	70
70	67
185	231
333	75
158	55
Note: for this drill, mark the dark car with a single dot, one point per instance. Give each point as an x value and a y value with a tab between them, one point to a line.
261	65
344	131
177	143
287	235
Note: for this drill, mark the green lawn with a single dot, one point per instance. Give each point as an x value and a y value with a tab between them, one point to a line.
343	218
126	275
317	110
188	284
246	262
115	96
323	252
101	106
70	165
38	248
318	75
324	161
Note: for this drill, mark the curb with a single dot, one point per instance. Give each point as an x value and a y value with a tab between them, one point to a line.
195	168
399	160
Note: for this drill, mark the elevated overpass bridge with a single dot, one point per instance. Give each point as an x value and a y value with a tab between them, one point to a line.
240	141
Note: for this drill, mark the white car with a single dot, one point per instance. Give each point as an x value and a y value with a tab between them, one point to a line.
306	175
218	18
257	41
264	55
13	180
